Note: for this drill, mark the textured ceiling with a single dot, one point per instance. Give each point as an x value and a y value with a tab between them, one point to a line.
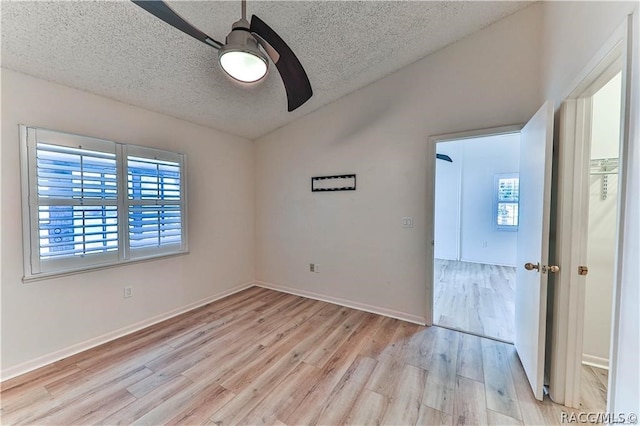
118	50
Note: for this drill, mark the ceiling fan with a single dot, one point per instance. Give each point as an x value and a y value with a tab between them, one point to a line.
240	56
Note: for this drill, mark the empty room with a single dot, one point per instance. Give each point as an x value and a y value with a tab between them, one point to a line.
319	212
476	231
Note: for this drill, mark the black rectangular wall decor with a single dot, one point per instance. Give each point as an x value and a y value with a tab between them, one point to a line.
333	183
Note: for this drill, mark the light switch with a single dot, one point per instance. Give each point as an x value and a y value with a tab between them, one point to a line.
407	222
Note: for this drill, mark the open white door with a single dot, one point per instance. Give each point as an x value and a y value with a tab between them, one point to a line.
536	145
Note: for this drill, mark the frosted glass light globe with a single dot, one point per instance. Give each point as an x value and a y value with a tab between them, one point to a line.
243	66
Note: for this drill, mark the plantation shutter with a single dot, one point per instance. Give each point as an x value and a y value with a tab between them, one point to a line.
92	203
76	196
155	201
508	194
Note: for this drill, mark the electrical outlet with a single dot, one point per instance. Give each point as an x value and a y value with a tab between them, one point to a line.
128	292
407	222
312	267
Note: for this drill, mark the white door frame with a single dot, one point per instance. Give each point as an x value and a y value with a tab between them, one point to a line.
431	194
571	221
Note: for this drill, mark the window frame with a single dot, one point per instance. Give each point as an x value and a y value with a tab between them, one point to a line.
497	202
36	268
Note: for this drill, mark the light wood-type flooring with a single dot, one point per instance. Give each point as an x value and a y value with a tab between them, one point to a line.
264	357
593	389
475	297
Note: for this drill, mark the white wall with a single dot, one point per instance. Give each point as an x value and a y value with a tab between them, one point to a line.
483	159
447	195
46	318
465	200
601	247
573	32
605	127
380	133
601	261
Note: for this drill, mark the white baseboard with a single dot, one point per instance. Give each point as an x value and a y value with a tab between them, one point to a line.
486	263
41	361
595	361
346	303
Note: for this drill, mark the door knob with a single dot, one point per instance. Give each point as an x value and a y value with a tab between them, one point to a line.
551	268
530	266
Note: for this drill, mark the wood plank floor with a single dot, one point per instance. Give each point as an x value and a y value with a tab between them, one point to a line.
593	388
264	357
475	297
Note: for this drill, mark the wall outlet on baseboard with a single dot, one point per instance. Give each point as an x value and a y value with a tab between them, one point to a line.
128	292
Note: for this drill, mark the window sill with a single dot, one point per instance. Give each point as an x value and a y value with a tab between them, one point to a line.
57	274
507	229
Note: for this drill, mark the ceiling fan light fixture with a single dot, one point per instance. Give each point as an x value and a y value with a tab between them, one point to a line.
241	57
243	66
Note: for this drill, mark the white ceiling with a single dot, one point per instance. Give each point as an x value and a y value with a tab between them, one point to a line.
118	50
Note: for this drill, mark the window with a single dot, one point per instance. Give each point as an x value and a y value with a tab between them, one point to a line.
92	203
154	201
507	190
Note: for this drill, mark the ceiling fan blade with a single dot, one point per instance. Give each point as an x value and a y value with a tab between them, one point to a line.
295	79
444	157
161	10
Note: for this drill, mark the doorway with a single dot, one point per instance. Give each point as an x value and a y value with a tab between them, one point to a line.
603	204
475	234
533	223
591	244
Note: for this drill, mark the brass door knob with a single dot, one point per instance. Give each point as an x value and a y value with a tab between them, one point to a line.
553	268
530	266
